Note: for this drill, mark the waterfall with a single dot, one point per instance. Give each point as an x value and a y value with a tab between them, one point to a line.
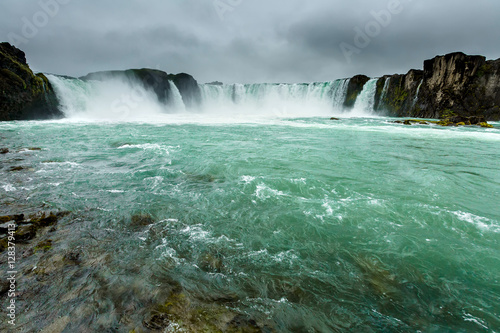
112	99
123	98
366	98
383	95
329	94
418	90
175	98
339	93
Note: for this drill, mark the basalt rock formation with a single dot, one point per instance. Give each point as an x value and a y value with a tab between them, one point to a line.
24	95
354	89
452	85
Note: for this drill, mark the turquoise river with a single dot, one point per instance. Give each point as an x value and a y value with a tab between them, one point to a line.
303	224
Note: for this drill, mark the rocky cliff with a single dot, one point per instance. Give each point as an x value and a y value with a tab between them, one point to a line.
24	95
157	81
453	84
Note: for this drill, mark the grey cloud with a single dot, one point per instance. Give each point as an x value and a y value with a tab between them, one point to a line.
256	41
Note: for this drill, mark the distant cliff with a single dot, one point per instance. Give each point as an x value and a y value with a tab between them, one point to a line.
456	84
24	95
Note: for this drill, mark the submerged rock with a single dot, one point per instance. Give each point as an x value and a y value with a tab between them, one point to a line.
181	314
141	220
211	262
44	245
452	120
27	229
4	150
242	323
17	168
25	232
411	122
7	218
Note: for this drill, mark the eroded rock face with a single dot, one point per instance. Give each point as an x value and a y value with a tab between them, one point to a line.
24	95
465	85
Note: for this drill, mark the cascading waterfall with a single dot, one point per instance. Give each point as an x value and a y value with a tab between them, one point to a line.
366	99
292	99
339	93
418	90
176	100
384	93
112	99
125	99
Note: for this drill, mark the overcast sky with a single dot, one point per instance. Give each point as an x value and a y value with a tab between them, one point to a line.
248	40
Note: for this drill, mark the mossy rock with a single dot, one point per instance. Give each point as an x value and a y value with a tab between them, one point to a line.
485	125
4	243
25	232
447	113
43	246
179	313
44	221
413	121
8	218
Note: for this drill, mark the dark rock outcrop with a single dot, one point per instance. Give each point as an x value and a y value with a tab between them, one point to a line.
354	88
464	85
24	95
157	81
189	89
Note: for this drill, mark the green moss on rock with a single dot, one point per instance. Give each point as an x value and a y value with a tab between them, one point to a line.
24	95
486	125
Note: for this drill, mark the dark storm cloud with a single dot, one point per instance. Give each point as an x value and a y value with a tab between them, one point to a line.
248	40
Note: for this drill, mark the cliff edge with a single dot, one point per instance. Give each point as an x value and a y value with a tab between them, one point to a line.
456	83
24	95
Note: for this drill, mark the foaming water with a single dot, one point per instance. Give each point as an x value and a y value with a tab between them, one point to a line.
114	99
123	99
303	224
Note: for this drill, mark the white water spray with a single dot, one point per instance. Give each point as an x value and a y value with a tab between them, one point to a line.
112	99
125	99
176	100
366	98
